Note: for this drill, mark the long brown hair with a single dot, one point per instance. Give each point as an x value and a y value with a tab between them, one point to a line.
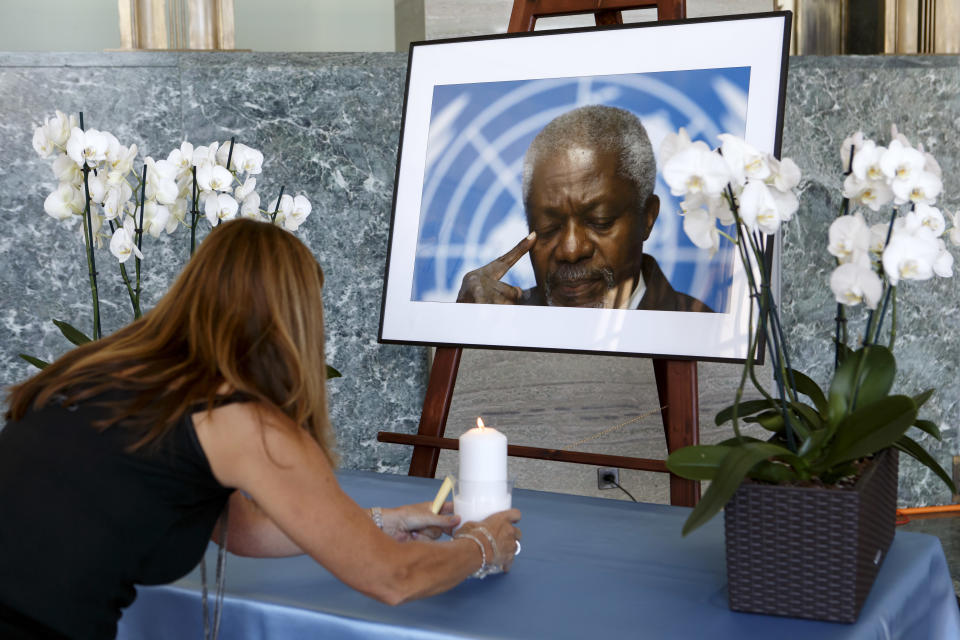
246	311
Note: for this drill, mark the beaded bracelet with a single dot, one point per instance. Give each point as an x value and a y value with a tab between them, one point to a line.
493	543
377	514
484	569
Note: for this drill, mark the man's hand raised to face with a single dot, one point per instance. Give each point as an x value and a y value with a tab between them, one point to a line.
483	285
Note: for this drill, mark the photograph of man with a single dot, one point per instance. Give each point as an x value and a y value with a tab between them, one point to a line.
588	181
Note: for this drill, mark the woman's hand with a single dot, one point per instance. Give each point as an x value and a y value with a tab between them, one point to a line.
505	536
412	521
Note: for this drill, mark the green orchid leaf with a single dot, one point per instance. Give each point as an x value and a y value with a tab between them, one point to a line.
37	362
836	474
769	420
773	472
813	445
910	446
811	389
930	427
333	373
734	468
809	415
870	429
744	409
71	333
736	442
697	462
862	379
921	398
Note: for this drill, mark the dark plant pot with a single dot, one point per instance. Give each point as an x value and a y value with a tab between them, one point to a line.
810	552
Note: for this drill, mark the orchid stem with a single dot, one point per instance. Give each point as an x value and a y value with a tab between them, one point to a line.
126	281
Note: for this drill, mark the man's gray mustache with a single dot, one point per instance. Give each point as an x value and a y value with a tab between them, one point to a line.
574	274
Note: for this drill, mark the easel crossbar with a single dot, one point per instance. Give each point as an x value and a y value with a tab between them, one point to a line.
537	453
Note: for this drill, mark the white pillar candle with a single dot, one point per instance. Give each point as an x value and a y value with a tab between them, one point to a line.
482	489
483	454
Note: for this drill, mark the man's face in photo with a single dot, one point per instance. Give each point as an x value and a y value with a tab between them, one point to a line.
590	229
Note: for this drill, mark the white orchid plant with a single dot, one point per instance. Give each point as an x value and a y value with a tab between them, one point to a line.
817	438
116	205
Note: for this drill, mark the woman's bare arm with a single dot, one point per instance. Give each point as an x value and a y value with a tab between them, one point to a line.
286	473
251	532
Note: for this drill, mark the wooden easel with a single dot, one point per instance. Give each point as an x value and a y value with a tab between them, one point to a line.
676	379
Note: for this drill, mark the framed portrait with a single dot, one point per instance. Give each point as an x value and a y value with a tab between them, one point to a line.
529	211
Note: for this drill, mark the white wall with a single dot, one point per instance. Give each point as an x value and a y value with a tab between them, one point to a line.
59	25
261	25
314	25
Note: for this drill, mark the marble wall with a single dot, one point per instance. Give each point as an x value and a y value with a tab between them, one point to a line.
329	124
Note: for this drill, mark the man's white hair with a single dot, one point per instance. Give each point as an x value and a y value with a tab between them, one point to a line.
605	129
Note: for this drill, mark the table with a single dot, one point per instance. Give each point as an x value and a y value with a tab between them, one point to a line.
589	568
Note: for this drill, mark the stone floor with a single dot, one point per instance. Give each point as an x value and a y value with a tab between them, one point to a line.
602	405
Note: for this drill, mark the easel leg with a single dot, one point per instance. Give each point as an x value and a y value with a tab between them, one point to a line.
436	407
677	389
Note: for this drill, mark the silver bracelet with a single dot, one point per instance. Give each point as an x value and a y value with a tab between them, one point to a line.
484	569
377	514
493	543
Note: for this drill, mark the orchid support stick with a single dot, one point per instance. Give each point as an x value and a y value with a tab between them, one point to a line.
139	239
88	241
194	213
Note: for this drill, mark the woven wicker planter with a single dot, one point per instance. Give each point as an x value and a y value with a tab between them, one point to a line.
810	552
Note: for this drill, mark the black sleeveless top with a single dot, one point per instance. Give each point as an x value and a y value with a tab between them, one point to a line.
82	520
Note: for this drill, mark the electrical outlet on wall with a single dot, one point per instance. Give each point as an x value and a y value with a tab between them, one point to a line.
608	477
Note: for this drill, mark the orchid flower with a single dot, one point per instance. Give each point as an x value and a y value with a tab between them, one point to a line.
212	177
955	228
66	170
744	161
88	147
759	209
41	143
247	160
869	193
295	217
910	256
920	187
866	162
219	206
849	238
923	215
204	154
784	174
156	218
696	170
65	201
854	142
242	191
856	282
943	264
58	127
701	227
674	143
250	207
122	243
182	157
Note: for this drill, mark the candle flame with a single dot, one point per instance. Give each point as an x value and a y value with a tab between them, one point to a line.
480	423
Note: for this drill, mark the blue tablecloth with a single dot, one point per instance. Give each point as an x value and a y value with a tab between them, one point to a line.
588	567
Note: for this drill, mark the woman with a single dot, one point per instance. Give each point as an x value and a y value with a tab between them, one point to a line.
118	458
